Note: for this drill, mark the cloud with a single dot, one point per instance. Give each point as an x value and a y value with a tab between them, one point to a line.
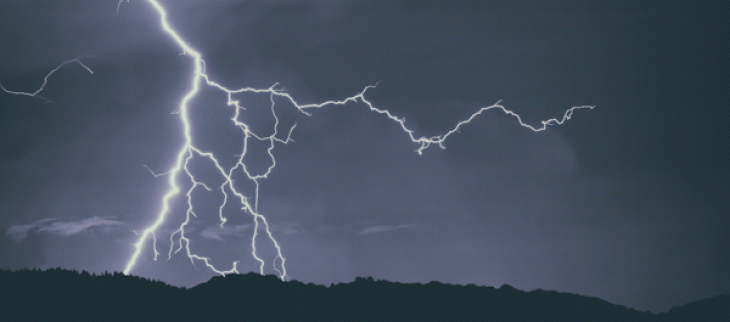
287	228
19	232
68	228
219	232
58	227
382	229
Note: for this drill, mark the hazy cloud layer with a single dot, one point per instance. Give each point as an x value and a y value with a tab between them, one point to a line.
218	232
383	229
60	227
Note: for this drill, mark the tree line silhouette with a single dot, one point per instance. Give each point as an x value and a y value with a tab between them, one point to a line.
58	294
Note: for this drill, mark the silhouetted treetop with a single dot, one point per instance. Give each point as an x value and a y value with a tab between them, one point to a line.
57	294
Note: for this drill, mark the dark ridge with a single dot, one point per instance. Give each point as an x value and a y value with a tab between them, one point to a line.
62	295
713	309
56	294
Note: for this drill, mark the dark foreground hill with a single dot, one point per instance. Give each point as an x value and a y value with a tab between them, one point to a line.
56	295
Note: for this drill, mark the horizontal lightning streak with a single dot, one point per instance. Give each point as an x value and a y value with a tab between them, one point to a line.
45	80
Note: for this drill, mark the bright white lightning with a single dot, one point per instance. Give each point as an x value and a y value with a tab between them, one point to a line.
189	150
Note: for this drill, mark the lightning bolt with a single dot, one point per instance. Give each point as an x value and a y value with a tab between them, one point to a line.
188	151
45	80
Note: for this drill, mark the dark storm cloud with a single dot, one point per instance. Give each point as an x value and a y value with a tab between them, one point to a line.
627	202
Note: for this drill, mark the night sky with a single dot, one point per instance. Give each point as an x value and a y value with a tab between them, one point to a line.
629	202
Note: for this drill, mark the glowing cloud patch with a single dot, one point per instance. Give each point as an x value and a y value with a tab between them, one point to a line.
218	233
62	228
383	229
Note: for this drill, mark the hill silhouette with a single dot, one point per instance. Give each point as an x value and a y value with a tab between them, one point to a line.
57	294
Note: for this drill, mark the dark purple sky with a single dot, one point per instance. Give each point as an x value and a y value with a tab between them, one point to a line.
629	202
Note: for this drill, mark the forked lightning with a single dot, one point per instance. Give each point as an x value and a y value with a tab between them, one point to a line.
249	205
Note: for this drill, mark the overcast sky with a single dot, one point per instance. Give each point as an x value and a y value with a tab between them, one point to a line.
629	202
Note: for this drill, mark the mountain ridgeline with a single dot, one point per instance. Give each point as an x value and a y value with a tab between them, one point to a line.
57	294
